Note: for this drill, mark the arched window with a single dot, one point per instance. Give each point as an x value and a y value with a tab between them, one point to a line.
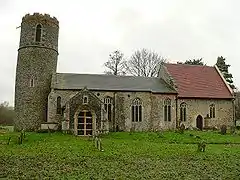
212	111
38	33
137	110
59	109
183	115
85	99
167	109
108	107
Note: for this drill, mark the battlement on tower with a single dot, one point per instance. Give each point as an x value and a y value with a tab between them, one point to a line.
40	17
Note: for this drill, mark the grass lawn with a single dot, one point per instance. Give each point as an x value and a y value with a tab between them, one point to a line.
167	155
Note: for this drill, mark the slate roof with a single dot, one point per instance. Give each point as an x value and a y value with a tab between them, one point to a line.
110	83
195	81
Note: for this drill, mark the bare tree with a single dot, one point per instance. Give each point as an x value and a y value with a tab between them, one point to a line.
115	64
144	63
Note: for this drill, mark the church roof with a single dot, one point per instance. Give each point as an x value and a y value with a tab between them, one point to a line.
110	83
194	81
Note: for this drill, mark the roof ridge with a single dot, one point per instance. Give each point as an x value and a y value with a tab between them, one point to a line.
190	65
109	75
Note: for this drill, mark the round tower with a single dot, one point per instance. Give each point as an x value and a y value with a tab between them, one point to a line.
37	61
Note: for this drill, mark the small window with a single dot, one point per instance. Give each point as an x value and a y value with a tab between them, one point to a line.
59	109
108	107
167	109
31	82
38	33
212	111
85	99
137	110
183	112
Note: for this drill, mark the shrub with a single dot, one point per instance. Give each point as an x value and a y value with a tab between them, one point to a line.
201	146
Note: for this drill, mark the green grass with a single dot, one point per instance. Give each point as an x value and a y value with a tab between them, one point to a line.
167	155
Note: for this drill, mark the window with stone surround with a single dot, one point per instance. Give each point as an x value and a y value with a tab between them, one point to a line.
137	110
85	99
212	111
183	115
167	109
108	107
59	109
31	82
38	33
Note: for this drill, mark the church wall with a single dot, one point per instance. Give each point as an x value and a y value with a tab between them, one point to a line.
195	107
152	112
123	102
52	102
157	114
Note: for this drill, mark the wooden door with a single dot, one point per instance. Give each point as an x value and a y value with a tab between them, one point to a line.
199	122
84	126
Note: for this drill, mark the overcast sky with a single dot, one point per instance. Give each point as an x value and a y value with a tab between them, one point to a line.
90	30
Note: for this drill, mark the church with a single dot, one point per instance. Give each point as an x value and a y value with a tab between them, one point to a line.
86	104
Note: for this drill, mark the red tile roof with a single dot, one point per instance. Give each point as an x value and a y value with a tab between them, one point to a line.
198	81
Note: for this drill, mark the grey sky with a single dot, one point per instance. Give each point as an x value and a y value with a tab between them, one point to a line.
90	30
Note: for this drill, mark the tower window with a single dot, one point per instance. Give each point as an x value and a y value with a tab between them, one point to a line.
38	33
31	82
108	107
167	109
137	110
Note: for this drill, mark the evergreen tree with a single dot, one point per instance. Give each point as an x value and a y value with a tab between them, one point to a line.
223	67
193	62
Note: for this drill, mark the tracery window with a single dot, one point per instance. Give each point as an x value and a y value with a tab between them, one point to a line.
212	111
183	115
137	110
167	109
108	107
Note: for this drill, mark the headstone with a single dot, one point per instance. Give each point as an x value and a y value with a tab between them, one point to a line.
223	129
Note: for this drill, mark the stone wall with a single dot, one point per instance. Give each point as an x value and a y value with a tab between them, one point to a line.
36	63
195	107
65	95
157	114
121	103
